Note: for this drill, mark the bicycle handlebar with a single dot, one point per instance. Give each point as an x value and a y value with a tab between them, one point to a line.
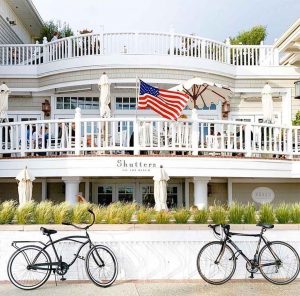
82	228
226	228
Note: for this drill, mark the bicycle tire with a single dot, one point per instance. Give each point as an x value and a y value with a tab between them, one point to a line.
281	249
213	249
23	255
106	255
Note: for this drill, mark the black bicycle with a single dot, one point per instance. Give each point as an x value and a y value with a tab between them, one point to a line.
30	266
277	261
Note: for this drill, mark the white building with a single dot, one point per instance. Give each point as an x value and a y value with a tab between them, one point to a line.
208	159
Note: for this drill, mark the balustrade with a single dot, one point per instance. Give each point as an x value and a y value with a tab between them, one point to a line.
136	136
137	43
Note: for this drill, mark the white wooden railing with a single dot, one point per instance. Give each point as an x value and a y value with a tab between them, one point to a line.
80	136
140	44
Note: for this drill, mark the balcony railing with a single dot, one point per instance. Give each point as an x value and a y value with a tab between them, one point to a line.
163	44
80	136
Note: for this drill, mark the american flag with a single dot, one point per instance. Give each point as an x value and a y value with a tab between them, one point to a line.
169	104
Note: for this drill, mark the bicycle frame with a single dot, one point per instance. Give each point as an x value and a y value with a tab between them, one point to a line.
228	240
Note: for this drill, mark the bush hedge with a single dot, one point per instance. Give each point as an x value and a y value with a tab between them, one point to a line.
47	212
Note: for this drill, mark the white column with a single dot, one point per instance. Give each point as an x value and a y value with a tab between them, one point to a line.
44	189
229	189
286	107
87	191
72	188
200	191
187	193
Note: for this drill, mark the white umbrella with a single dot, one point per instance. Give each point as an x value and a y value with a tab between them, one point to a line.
4	92
203	93
104	87
267	103
160	189
25	186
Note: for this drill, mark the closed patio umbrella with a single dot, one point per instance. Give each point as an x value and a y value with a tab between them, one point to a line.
203	93
25	180
4	92
104	87
267	103
160	189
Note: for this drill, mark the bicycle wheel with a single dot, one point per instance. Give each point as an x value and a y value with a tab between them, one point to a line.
21	270
212	272
101	266
281	265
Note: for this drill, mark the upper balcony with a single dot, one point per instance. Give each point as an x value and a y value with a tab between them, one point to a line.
135	49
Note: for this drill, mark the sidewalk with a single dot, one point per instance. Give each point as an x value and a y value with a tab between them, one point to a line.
164	288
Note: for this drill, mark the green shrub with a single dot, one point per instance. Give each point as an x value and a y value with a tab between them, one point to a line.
80	213
283	213
7	211
163	217
266	214
120	213
145	215
218	214
44	212
249	214
25	213
181	216
295	213
200	216
100	214
236	213
62	213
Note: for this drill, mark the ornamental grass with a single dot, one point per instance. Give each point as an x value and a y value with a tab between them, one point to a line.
283	213
181	216
249	214
43	213
62	213
218	214
25	213
80	214
7	211
236	213
295	213
145	215
200	216
266	214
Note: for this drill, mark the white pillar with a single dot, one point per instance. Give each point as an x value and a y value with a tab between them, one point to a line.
187	193
44	189
200	191
87	191
72	188
229	189
286	107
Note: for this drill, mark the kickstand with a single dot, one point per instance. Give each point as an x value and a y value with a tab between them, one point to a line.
62	278
55	278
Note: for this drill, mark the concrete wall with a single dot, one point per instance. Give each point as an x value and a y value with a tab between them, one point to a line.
145	252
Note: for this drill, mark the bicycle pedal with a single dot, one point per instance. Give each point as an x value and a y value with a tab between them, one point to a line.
63	279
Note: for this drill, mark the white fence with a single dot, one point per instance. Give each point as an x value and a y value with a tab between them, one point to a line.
139	44
129	135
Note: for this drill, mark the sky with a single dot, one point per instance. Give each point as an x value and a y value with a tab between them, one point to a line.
214	19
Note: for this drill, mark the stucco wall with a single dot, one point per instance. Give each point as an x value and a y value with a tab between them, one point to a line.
283	192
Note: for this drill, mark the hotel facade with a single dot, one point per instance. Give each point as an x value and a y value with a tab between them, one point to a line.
222	153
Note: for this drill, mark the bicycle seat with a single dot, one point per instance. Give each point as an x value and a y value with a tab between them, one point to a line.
266	226
46	231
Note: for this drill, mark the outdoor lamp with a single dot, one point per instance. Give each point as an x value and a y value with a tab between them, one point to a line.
46	108
297	89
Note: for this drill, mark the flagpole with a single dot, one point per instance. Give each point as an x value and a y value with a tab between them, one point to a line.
137	94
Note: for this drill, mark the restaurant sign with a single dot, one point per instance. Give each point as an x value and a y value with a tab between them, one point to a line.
136	165
263	195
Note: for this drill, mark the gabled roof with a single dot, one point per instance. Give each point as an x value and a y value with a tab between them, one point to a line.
289	45
28	14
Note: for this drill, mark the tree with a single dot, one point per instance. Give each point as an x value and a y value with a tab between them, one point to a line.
296	121
50	28
251	37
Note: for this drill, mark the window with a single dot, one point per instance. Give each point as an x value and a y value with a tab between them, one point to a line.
71	103
125	103
148	196
125	193
104	195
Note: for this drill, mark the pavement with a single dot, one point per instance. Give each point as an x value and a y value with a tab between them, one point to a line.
158	288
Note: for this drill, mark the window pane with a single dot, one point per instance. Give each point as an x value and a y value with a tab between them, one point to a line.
73	103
